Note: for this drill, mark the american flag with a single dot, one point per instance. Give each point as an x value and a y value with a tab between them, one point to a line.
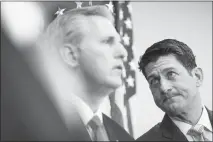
122	11
124	26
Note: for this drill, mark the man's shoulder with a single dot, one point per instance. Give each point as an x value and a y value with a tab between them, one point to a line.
153	134
210	115
115	130
208	110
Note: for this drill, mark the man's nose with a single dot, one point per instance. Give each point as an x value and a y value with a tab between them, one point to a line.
120	51
165	86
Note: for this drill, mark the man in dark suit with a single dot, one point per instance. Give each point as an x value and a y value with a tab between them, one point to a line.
174	79
85	45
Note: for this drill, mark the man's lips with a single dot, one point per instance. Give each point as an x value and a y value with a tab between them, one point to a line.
120	67
167	98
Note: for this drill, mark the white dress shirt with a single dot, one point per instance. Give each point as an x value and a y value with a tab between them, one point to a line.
204	120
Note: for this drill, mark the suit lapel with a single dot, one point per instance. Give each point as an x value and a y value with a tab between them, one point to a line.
109	129
210	116
115	131
178	135
170	130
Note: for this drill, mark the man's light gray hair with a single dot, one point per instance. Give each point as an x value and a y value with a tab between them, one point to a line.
69	27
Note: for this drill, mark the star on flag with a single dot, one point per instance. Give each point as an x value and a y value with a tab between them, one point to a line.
78	4
126	39
132	65
130	81
110	6
128	23
60	11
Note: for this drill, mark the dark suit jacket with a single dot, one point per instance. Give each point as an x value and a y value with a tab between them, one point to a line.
115	131
166	131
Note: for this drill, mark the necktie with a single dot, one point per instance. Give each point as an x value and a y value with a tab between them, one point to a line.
99	132
197	132
116	114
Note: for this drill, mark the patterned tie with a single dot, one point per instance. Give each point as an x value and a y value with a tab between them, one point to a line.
197	133
99	132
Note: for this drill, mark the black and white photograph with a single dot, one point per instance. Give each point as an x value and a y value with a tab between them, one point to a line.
106	70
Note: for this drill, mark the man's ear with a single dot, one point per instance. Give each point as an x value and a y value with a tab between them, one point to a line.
70	54
198	75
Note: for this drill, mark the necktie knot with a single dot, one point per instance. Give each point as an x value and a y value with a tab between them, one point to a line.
197	133
99	132
95	122
196	130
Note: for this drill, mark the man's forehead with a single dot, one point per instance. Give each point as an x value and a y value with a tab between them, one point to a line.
102	26
99	22
162	63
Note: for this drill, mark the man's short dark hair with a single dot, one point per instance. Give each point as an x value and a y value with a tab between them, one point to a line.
168	47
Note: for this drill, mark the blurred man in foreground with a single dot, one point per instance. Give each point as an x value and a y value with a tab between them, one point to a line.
27	114
174	79
86	45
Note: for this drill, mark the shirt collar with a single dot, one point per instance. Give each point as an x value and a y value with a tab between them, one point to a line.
204	120
84	110
184	127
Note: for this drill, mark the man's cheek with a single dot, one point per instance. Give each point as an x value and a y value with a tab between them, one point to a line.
157	96
154	90
180	87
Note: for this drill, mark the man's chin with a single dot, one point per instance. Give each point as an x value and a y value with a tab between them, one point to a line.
173	110
115	84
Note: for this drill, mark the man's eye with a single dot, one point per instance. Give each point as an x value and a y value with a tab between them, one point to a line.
171	75
154	81
109	41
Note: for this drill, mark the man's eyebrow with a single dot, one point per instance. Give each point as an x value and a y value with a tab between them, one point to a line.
150	76
112	38
170	68
108	39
